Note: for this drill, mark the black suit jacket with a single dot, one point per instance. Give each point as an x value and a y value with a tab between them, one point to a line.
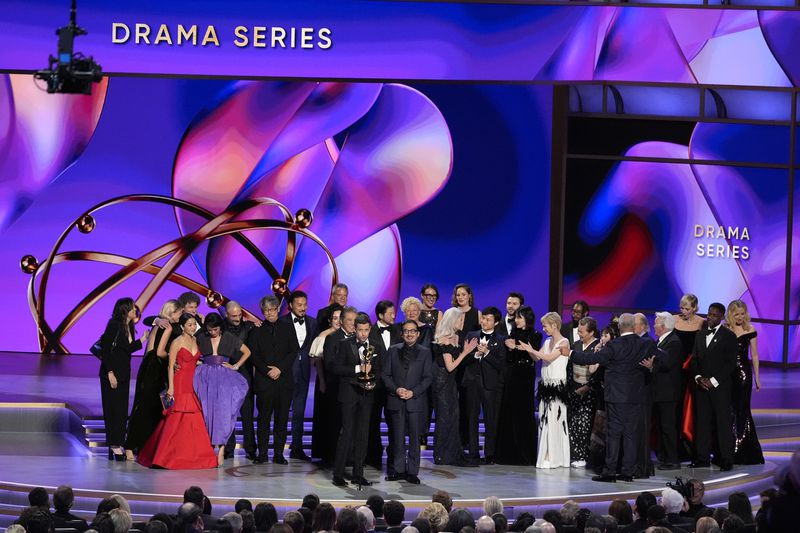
486	372
272	345
504	328
395	335
117	350
343	364
718	359
667	370
417	378
624	376
302	351
566	331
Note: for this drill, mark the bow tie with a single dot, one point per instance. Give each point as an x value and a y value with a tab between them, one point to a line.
711	331
384	329
348	335
299	320
362	345
510	320
486	336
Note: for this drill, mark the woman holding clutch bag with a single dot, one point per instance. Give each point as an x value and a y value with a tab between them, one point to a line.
181	441
117	343
147	410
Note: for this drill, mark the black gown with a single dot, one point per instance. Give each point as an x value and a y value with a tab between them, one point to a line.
447	448
686	412
747	449
517	434
151	379
471	323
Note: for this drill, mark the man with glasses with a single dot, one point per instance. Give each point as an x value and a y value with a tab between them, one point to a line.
407	373
273	353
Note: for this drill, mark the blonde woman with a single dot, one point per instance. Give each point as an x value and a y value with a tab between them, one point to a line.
552	393
687	325
147	410
747	449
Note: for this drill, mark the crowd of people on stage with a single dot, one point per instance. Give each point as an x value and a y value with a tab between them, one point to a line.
677	510
601	393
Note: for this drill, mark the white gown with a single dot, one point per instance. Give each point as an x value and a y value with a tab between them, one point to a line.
553	433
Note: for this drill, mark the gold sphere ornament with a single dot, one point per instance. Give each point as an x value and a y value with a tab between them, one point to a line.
279	286
303	218
214	299
86	224
29	264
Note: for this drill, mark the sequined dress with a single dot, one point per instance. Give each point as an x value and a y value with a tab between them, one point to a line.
747	449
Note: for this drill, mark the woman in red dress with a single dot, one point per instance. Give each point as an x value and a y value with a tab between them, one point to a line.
181	440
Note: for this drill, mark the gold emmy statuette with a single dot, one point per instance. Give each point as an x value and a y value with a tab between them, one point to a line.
367	380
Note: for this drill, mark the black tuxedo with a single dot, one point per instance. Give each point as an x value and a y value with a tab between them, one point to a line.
301	371
624	395
409	368
483	382
272	345
567	329
666	395
355	404
374	444
504	327
242	331
713	407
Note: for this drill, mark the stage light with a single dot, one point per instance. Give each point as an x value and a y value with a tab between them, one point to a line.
69	71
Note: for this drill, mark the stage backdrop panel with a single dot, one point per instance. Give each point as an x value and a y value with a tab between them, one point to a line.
407	184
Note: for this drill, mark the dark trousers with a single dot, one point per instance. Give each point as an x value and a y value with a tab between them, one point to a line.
115	409
273	400
406	459
353	435
623	427
713	413
248	429
667	413
299	398
374	442
477	398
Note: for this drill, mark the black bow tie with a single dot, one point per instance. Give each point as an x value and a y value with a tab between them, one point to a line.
347	335
486	336
299	320
384	329
510	320
711	331
362	345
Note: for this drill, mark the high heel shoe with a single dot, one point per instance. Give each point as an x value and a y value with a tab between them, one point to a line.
110	454
118	456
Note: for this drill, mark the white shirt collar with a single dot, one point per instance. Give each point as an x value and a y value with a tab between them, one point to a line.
664	336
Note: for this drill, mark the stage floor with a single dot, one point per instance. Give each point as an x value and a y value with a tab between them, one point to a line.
52	459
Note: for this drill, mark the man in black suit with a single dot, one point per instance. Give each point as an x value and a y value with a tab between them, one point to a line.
569	328
407	373
514	301
483	382
305	330
384	333
355	398
666	389
624	389
712	366
339	294
273	348
242	328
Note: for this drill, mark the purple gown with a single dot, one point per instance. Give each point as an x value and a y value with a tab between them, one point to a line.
221	392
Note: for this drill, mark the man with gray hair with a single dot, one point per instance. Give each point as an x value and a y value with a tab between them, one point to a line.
667	389
273	353
339	295
673	503
369	518
235	520
640	325
235	324
623	359
484	524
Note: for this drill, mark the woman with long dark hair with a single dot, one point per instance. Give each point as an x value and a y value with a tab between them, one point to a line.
517	427
117	343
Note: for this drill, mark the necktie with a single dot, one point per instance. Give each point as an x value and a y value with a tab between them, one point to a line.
299	320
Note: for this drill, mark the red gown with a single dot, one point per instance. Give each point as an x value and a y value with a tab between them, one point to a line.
181	441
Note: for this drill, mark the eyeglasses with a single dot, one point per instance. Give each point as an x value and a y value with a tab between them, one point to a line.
410	331
271	310
430	295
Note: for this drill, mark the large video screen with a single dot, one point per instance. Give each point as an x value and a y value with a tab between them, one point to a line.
659	208
407	184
